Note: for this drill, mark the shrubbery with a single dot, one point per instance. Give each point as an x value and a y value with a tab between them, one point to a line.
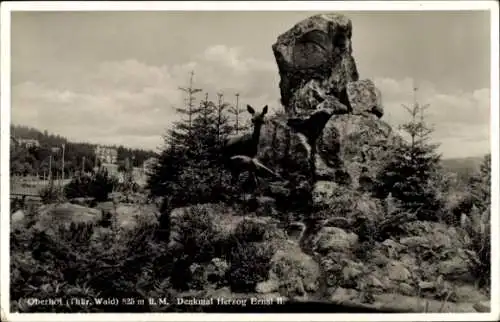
97	186
51	193
478	223
86	262
250	264
205	233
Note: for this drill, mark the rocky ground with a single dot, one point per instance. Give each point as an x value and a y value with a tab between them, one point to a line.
426	269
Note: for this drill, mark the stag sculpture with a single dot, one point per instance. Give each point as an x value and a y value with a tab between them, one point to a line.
239	152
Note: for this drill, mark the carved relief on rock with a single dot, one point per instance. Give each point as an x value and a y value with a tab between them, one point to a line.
316	48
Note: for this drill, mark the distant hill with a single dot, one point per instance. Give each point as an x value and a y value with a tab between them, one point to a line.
463	167
458	164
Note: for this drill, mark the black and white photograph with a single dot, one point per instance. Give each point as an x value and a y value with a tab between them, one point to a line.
313	157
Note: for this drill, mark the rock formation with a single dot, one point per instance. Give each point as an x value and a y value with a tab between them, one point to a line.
331	128
315	62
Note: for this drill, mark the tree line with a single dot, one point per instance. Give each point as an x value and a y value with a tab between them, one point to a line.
36	160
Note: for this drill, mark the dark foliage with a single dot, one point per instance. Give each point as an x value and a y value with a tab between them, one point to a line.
250	264
189	169
51	193
97	186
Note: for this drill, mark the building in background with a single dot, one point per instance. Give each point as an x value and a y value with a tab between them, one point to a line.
106	154
26	143
138	174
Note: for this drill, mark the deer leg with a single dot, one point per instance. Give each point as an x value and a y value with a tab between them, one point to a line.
235	175
254	180
312	163
305	143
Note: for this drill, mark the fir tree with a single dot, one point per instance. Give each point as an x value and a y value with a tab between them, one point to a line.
179	149
189	109
409	174
237	111
480	185
188	170
222	125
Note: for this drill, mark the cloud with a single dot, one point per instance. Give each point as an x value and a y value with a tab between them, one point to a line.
132	103
460	119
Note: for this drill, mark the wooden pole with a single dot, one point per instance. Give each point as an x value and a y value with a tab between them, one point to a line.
50	167
62	170
237	112
95	162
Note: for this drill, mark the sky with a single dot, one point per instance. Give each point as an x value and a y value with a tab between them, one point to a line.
113	77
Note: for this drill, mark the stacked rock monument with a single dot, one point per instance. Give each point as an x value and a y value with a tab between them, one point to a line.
331	129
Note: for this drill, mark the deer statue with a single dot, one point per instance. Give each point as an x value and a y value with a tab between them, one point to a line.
239	152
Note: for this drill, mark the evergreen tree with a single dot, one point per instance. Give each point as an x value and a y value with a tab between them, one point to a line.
409	175
179	149
239	125
189	109
480	185
188	170
222	124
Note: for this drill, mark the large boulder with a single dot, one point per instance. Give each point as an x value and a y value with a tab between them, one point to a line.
317	48
333	239
127	216
281	149
292	273
54	216
131	216
318	75
364	98
434	235
17	220
355	148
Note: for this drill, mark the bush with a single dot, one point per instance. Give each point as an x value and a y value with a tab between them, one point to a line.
479	230
51	194
87	263
249	231
201	237
97	186
250	264
252	245
200	232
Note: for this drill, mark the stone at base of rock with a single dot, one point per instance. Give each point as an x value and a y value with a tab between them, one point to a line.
269	286
406	289
341	294
483	306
